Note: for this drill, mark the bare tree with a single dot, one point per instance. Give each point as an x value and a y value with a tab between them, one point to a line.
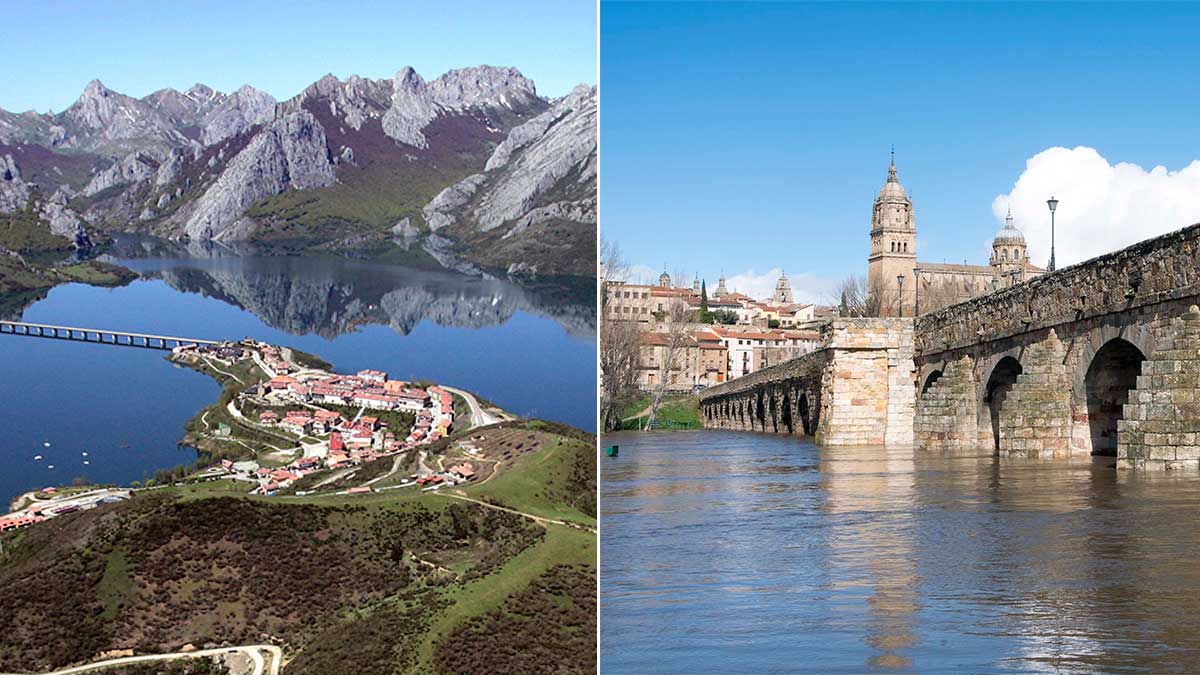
854	297
619	345
676	331
938	292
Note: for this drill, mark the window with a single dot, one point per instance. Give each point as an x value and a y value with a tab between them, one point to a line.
1016	254
1004	254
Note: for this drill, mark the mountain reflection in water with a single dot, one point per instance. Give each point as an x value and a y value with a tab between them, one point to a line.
728	552
331	295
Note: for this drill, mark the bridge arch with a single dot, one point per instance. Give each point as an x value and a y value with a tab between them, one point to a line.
1090	344
1111	374
998	385
787	412
931	379
805	413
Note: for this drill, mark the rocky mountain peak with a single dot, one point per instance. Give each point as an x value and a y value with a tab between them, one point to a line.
326	85
483	85
95	107
407	79
95	88
238	112
412	107
200	91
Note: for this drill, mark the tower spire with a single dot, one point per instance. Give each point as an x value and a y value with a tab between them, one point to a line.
892	168
1008	218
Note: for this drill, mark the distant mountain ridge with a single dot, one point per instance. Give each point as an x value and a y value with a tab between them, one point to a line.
473	168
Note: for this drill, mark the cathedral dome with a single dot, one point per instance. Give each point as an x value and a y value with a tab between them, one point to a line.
1009	234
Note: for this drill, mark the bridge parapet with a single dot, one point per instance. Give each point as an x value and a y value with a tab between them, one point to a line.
1151	272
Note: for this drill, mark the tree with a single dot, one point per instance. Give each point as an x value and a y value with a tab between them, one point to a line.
705	315
725	316
619	346
857	299
677	335
773	323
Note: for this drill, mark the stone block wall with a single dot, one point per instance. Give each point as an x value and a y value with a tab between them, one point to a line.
1147	273
867	394
1160	429
945	417
854	404
1037	418
902	400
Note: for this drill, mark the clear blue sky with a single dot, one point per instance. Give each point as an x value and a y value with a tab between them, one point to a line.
53	48
738	136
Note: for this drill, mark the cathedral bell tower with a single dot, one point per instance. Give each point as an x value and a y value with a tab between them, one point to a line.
893	248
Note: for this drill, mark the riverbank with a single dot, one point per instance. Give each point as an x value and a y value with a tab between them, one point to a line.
675	412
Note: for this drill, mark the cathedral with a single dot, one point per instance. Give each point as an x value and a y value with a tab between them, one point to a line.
904	286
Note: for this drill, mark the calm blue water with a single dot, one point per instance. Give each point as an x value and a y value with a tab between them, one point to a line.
725	552
485	336
124	407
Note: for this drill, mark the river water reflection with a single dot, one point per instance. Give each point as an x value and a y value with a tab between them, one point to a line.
725	552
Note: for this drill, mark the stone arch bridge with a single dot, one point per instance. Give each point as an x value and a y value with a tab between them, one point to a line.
1102	357
855	390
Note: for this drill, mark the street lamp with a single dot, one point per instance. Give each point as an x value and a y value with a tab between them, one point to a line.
1053	204
917	291
900	283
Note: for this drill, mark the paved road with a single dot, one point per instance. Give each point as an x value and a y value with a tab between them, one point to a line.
479	416
81	500
253	651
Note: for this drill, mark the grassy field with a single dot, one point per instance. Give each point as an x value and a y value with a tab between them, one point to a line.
549	482
420	574
675	412
245	440
560	546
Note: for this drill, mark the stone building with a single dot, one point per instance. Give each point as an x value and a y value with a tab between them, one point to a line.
658	362
783	291
628	302
927	286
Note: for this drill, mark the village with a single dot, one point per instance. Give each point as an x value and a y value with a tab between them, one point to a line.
336	423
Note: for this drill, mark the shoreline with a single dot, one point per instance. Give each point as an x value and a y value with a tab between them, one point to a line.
217	446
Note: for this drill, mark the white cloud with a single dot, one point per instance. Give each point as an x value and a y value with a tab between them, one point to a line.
1102	207
807	288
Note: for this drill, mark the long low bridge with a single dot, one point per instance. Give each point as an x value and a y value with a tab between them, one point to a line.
99	335
1099	358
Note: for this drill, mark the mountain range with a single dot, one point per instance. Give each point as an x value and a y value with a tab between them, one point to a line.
473	169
